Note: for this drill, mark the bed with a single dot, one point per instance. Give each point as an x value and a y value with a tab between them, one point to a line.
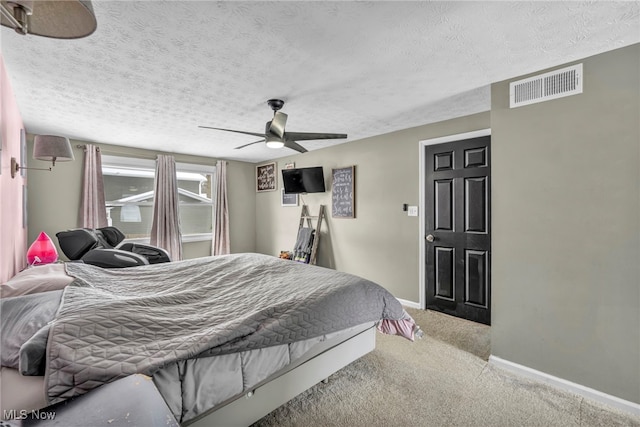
226	339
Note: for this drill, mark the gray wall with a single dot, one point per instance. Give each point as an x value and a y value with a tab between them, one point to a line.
566	221
566	229
381	243
54	197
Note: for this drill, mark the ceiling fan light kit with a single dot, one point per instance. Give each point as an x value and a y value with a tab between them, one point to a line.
273	142
274	134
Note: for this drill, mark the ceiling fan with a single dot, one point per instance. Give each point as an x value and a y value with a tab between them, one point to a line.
276	137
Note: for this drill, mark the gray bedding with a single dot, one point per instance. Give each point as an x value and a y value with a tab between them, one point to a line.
24	329
116	322
193	387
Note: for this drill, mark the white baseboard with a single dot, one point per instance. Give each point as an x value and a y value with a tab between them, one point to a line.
409	304
598	396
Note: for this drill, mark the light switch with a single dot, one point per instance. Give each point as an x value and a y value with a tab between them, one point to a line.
413	211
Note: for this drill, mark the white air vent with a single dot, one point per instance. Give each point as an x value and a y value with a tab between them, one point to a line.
547	86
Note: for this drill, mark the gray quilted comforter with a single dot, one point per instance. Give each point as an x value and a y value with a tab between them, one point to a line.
116	322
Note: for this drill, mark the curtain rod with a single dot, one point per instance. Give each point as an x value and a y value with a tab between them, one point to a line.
120	153
137	156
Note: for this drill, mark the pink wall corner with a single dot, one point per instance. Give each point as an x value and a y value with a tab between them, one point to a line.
13	235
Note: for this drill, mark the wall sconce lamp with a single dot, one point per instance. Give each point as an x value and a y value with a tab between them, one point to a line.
68	19
48	148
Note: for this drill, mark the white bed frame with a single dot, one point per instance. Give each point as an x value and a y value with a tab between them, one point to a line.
260	401
243	410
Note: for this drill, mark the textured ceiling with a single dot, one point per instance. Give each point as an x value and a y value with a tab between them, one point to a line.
155	70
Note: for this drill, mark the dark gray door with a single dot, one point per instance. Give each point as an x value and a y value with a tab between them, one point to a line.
458	228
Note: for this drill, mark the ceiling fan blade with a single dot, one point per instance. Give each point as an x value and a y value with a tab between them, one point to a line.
308	136
246	145
294	146
236	131
277	124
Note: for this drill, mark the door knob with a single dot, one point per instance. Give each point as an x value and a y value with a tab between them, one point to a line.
430	238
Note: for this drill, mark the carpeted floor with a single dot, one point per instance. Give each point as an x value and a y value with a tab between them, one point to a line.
440	380
471	337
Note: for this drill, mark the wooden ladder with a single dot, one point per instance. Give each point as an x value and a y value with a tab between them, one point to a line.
305	215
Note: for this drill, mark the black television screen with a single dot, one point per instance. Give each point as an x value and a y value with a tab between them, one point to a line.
303	180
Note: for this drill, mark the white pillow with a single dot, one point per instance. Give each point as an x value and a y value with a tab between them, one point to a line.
41	278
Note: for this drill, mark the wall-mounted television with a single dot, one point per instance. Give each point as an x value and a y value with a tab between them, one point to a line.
303	180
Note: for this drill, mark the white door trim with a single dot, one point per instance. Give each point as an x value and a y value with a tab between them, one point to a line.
423	207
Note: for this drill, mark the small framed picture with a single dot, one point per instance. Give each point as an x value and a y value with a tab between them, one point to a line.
266	177
288	199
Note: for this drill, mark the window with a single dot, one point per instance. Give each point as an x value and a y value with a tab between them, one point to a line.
129	192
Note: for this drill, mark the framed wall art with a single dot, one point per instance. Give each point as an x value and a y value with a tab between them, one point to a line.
288	199
343	192
266	177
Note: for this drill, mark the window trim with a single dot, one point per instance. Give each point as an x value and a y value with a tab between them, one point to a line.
140	163
145	163
186	238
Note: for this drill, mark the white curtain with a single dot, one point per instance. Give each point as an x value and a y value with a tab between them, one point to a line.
165	226
220	241
93	213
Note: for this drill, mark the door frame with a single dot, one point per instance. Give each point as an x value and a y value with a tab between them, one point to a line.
422	202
